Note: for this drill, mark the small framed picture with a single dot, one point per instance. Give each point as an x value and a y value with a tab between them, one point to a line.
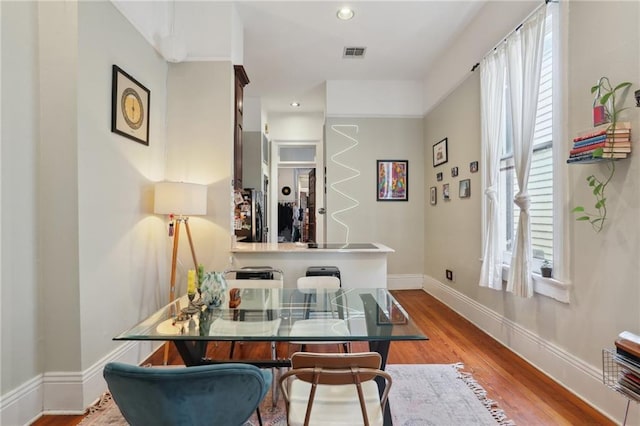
129	107
440	153
439	176
445	192
454	171
434	196
473	166
465	188
393	180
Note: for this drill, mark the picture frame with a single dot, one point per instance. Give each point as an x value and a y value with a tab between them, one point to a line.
392	180
439	177
454	171
473	167
445	192
433	196
464	189
130	102
440	152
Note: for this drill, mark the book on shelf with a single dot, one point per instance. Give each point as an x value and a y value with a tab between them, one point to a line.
605	149
621	127
621	133
602	138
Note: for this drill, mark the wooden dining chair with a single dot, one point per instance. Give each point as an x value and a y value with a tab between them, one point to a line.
329	389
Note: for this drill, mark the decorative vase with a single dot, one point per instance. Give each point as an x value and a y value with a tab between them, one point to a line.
213	288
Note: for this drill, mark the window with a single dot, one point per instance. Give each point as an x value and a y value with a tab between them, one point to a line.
546	178
541	174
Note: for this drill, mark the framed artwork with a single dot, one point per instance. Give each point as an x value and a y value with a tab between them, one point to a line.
454	171
129	107
392	180
473	166
434	196
439	176
440	153
464	189
445	192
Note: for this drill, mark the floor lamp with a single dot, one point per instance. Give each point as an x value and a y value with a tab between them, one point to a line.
179	200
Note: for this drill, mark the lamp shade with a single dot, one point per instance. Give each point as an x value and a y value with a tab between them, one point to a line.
180	198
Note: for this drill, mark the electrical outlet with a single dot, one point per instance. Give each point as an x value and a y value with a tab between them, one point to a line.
449	273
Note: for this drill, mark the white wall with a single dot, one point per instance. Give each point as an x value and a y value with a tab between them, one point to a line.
374	98
122	245
18	237
492	24
82	259
564	340
200	137
393	223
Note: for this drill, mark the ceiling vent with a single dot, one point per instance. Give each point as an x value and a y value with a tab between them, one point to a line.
354	52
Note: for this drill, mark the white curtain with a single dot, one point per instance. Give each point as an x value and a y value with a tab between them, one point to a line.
524	60
492	95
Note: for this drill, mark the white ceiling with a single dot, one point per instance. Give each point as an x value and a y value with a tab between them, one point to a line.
292	47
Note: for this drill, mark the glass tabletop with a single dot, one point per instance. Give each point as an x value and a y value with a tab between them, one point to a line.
266	314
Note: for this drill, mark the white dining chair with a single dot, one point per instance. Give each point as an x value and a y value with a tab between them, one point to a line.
327	317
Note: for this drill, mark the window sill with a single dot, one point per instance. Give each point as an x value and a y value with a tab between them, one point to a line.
549	287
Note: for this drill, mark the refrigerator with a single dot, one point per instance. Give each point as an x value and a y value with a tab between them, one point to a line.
249	216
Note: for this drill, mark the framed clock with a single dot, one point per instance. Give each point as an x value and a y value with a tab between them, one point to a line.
129	107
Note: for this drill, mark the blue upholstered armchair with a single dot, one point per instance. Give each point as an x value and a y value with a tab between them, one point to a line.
218	394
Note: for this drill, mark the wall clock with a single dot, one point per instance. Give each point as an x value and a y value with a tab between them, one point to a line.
286	190
129	107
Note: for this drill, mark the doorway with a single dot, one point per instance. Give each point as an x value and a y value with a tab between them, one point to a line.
295	170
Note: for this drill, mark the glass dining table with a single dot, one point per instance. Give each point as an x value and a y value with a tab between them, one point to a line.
274	315
280	315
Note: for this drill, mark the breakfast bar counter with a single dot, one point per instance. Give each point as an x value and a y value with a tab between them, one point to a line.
361	265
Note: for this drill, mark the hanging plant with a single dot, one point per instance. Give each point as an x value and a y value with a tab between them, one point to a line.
598	185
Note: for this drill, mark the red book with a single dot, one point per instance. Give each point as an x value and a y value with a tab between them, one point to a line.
587	148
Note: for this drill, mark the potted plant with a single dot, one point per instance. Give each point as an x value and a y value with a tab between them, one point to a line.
546	269
598	185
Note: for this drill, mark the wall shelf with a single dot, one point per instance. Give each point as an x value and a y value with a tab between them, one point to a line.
619	374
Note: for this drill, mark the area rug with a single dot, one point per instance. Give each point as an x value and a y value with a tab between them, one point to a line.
421	395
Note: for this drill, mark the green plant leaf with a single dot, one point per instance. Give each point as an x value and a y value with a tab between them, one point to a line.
591	180
621	85
597	189
594	88
605	98
598	152
583	218
600	203
577	209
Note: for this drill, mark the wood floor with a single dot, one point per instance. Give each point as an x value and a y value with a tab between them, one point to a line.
527	396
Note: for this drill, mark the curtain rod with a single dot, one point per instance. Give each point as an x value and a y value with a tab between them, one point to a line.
477	64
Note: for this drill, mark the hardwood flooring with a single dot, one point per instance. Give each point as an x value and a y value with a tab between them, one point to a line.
527	396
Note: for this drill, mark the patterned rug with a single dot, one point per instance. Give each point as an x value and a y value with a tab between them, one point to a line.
421	395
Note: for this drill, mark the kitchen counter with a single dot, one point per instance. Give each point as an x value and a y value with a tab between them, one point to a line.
308	247
361	265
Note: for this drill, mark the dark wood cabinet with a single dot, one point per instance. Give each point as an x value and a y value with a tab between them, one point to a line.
241	80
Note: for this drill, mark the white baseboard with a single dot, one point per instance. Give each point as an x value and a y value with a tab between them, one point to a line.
576	375
405	282
23	405
66	392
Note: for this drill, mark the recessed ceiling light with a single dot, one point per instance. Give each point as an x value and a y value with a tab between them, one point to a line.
345	14
295	104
